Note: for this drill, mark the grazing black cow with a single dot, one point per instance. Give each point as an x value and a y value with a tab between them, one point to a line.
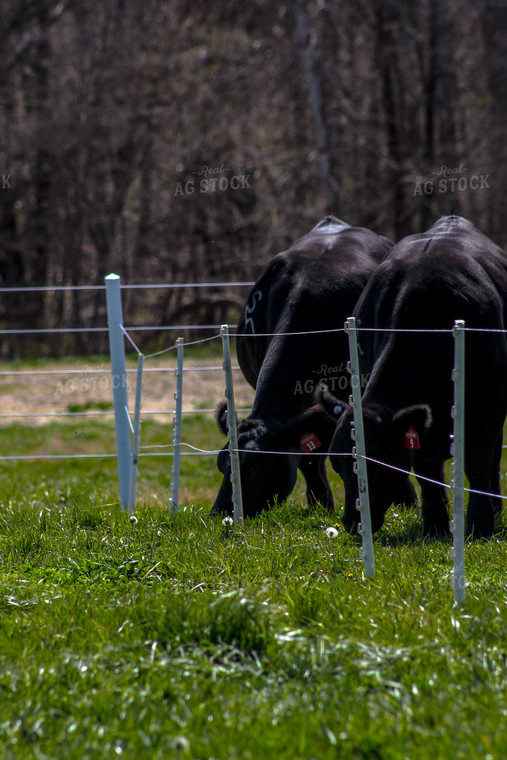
311	286
426	282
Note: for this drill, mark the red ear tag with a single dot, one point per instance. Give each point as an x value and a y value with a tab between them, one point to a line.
412	439
309	442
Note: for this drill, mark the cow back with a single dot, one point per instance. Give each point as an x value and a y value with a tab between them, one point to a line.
312	286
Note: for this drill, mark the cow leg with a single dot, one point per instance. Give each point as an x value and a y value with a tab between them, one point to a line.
318	490
407	496
433	497
495	483
480	521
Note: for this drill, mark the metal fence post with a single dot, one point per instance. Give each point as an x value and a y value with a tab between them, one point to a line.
237	497
359	450
136	434
178	397
457	466
119	379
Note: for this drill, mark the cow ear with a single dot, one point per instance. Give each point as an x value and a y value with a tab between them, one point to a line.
331	405
415	418
221	417
306	429
313	428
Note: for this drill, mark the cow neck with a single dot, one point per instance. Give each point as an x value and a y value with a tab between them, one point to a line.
280	391
279	406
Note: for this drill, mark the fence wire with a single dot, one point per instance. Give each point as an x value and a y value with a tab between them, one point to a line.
142	328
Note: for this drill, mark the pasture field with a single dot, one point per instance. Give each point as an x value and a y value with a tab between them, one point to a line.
168	635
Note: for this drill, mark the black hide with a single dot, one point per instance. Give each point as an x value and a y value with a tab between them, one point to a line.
426	282
313	285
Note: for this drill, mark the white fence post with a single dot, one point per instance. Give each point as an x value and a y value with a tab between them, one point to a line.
119	379
136	435
457	467
178	397
237	497
359	450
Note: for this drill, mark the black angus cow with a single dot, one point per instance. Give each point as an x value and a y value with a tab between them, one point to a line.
312	286
426	282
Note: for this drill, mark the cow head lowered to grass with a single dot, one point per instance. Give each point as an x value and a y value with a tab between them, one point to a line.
268	478
290	336
391	437
405	318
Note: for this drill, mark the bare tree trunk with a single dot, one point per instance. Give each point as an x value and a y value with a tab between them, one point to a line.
385	54
494	22
442	53
41	212
314	91
430	84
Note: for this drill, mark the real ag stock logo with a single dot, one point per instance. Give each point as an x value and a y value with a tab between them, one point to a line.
333	379
451	180
212	180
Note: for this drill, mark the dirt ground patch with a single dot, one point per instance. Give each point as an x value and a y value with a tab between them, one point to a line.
60	390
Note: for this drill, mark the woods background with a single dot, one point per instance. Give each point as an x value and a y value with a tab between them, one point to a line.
186	141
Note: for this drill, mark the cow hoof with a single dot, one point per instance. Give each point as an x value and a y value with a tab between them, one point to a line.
217	512
437	531
476	532
474	536
352	528
480	525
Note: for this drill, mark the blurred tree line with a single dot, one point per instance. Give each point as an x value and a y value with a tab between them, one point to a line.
190	140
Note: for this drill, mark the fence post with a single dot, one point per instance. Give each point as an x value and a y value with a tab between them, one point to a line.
136	435
237	498
359	450
178	397
119	379
457	466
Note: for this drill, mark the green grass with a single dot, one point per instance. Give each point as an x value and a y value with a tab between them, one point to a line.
169	635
